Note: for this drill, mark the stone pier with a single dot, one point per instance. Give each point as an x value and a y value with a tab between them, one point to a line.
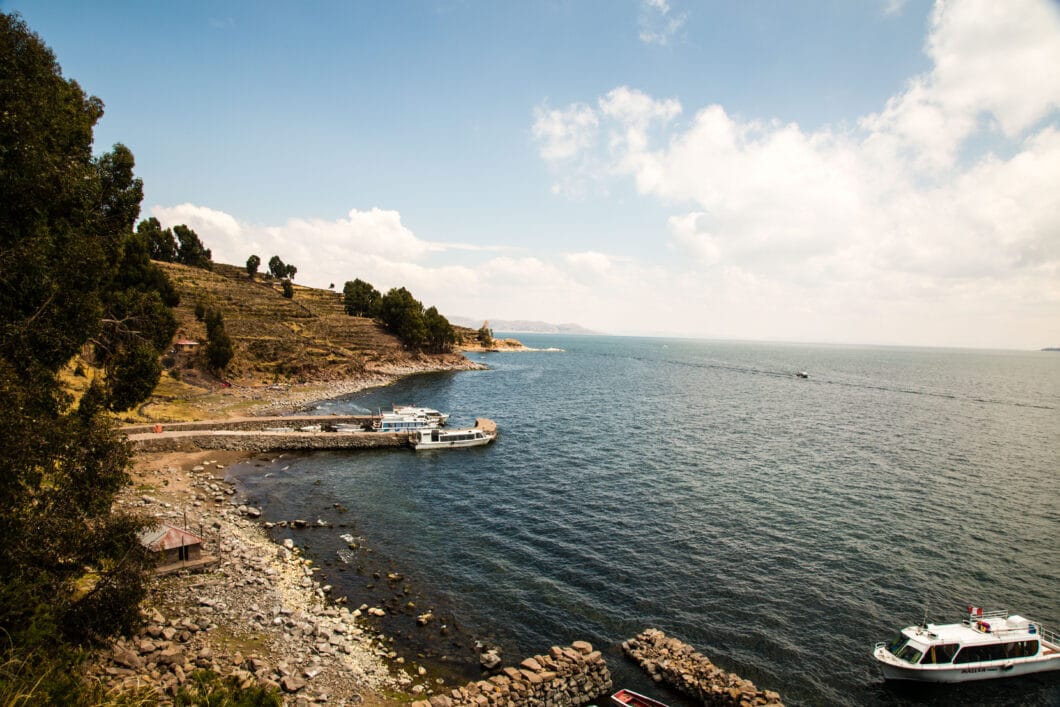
678	665
564	677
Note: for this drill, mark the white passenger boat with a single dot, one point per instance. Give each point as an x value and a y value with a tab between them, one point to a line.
400	422
484	432
985	645
430	413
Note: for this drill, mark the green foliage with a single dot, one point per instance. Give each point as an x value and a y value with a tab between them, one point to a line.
288	289
200	310
161	244
207	689
440	335
39	677
281	270
190	250
136	372
485	335
219	349
252	266
361	299
276	267
71	570
402	314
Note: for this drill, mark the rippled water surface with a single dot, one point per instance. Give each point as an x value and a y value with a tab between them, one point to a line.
782	526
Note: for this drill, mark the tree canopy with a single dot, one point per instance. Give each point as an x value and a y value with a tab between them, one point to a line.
190	250
75	274
361	299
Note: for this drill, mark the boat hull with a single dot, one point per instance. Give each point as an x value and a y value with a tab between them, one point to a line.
968	672
628	698
419	446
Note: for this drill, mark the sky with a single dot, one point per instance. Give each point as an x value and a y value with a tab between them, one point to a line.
873	172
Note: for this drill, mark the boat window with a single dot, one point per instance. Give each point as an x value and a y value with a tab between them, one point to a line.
1021	649
940	654
896	645
909	654
975	654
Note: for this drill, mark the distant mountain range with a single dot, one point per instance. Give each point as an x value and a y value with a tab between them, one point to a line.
522	326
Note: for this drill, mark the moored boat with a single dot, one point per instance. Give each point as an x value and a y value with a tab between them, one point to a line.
984	645
402	422
634	699
436	438
430	413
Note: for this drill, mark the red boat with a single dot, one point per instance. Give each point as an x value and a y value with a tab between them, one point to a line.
628	698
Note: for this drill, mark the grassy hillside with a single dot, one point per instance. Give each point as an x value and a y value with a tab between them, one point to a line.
309	337
305	340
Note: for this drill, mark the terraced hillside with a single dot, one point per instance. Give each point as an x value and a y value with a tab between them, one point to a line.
307	338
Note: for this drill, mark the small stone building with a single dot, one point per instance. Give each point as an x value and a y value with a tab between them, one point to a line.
185	345
172	545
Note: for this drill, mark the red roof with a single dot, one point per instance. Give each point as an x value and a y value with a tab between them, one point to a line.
166	537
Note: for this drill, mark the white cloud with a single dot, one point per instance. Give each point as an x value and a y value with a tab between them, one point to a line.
879	231
564	133
657	25
992	61
900	229
894	7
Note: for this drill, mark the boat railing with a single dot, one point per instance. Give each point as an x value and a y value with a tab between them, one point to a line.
1048	636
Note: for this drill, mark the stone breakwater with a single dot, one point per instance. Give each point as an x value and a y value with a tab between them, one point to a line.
261	441
680	666
248	424
574	675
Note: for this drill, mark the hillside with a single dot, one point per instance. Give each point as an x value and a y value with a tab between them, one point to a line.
307	342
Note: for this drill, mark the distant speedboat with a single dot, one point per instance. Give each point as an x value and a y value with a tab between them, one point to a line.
802	374
987	645
628	698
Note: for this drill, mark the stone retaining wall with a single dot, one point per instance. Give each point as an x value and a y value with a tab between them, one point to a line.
565	677
680	666
233	440
250	423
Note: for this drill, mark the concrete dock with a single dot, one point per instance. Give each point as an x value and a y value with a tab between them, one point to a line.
267	434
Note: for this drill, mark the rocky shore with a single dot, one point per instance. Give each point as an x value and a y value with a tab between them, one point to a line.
677	664
258	614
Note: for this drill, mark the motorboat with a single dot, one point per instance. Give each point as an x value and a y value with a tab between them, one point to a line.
802	374
401	422
985	645
447	439
628	698
430	413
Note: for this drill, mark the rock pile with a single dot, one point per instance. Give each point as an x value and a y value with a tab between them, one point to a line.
566	676
680	666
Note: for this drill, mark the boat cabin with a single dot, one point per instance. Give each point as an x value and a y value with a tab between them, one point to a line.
984	645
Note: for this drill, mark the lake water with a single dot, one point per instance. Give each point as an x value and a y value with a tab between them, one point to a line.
779	525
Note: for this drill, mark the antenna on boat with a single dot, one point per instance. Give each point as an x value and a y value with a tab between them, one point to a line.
923	623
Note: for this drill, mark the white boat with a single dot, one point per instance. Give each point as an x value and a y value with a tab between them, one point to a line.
400	422
985	645
484	432
430	413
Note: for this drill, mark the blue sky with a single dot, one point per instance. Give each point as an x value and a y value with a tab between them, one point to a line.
869	172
